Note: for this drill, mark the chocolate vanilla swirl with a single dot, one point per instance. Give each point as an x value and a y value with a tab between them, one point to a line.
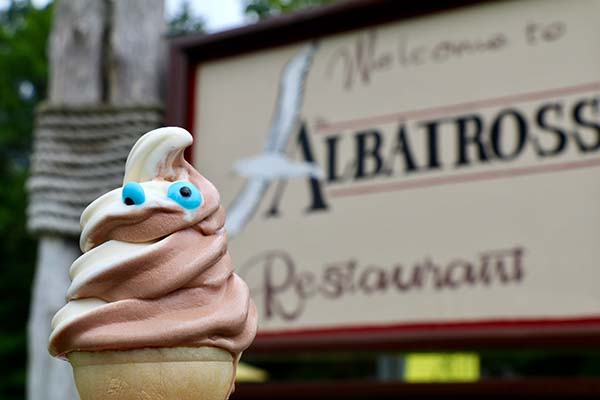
155	270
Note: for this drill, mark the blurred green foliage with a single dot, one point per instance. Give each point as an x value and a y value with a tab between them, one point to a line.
185	21
266	8
23	70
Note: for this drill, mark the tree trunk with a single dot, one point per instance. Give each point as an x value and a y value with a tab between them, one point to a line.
102	52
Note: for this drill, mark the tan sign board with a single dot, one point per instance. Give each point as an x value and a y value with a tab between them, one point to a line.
431	174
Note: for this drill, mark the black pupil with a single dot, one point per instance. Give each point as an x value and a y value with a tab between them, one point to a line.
129	201
185	191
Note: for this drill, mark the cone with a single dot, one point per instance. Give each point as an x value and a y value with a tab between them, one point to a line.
180	373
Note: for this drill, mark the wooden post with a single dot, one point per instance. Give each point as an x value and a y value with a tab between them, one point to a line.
138	53
75	50
102	52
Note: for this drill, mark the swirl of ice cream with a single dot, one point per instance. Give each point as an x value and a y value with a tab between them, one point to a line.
155	270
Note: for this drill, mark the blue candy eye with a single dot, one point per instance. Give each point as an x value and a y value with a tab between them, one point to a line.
185	194
133	194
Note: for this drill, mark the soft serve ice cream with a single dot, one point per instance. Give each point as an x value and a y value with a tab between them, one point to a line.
155	270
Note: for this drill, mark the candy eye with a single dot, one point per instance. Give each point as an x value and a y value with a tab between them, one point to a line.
133	194
185	194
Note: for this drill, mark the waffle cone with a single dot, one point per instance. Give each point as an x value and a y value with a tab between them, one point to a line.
180	373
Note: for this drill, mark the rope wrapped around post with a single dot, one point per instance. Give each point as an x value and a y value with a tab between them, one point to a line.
79	153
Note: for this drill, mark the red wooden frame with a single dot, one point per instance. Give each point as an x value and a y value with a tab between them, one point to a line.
186	53
494	389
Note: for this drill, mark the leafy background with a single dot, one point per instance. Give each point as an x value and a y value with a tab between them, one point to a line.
23	71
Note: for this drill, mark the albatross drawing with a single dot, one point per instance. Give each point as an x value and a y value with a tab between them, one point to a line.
273	164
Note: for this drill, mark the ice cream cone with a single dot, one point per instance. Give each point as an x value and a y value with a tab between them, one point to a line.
178	373
155	287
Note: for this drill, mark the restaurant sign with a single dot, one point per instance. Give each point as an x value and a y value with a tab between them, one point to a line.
439	171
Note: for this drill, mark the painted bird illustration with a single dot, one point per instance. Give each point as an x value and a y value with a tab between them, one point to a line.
273	164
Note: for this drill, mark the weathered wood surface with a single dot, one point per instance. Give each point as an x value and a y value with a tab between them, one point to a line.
137	52
75	51
100	51
49	378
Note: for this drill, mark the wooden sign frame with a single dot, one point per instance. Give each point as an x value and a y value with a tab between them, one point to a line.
189	51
